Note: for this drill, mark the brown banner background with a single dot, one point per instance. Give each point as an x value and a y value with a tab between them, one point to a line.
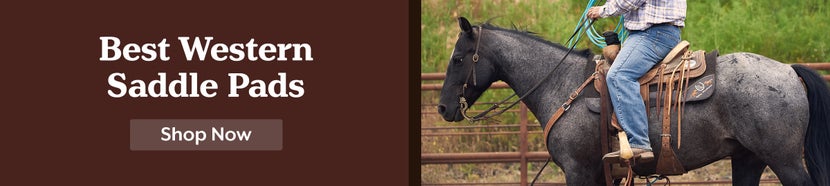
349	128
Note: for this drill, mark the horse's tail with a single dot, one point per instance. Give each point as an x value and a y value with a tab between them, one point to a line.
817	139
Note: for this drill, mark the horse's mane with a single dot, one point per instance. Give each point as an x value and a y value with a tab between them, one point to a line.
532	35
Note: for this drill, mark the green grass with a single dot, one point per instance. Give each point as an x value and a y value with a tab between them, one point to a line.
788	31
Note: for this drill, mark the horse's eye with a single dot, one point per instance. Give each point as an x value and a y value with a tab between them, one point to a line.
458	59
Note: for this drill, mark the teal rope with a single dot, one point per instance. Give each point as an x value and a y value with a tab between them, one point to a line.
656	178
592	34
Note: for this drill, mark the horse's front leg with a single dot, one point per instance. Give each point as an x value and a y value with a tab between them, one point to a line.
580	168
582	171
575	148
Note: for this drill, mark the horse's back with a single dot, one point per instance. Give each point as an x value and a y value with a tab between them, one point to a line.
753	85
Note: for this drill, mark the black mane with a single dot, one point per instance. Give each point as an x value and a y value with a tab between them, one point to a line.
532	35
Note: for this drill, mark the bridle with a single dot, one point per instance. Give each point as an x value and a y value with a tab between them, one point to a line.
484	115
471	75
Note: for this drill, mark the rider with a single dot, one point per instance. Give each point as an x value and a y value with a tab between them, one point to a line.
654	27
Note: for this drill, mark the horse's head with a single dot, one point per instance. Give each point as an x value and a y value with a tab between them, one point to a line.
469	73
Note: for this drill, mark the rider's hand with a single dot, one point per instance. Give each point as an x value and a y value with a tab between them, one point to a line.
593	13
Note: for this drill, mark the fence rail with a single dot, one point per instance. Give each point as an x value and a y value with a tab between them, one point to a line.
523	156
763	181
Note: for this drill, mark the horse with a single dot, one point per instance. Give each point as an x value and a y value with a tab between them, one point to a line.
762	113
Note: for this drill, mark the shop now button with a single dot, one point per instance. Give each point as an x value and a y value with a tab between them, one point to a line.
206	134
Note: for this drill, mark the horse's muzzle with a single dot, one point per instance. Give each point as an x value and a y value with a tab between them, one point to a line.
442	108
451	115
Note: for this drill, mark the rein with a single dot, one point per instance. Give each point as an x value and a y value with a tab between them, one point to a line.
484	115
472	74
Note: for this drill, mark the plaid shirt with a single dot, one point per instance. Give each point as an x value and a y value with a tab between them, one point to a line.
641	14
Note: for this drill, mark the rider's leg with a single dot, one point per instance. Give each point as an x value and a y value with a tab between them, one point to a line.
641	51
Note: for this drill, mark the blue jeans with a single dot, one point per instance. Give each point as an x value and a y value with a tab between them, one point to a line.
641	51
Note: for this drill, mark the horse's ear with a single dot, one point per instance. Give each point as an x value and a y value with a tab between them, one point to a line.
465	25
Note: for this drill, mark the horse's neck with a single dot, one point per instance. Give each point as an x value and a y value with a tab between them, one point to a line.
529	62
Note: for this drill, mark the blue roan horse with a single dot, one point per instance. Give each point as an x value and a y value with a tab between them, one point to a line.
763	112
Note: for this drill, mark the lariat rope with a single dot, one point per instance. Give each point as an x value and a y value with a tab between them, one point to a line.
595	37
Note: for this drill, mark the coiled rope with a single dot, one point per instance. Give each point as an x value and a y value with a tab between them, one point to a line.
592	34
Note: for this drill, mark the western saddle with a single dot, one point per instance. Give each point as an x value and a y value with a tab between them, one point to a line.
665	88
666	85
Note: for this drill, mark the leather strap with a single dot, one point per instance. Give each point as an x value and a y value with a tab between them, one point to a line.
644	91
684	86
566	106
667	163
605	111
